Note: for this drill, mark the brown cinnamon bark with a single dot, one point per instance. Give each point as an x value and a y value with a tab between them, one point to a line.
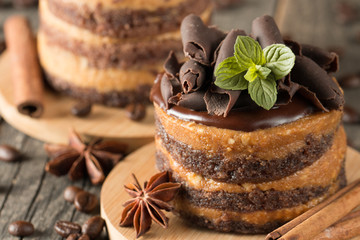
314	221
347	228
26	74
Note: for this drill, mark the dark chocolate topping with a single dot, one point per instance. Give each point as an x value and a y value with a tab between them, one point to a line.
192	76
327	60
192	95
199	40
265	30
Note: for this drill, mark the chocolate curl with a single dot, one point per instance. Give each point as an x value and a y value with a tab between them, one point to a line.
192	76
265	30
313	79
329	61
172	65
226	48
294	46
193	101
220	101
169	87
199	41
26	74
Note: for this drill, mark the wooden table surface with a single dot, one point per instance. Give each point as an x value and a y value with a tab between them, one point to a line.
28	192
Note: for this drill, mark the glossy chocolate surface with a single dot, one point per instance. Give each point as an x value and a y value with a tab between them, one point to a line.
244	119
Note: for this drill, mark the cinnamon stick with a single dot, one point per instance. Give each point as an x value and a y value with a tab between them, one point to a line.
314	221
26	74
347	228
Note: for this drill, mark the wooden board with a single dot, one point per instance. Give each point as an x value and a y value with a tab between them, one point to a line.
142	163
57	119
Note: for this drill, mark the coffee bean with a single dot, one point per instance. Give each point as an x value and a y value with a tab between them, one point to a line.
136	111
85	201
21	228
350	81
8	153
65	228
350	115
81	109
84	237
93	227
73	236
70	193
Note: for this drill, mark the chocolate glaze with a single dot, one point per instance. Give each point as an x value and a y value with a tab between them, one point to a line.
244	119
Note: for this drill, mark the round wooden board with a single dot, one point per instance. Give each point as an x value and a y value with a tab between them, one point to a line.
142	163
54	124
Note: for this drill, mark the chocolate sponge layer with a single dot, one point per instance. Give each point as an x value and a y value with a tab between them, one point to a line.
244	170
125	23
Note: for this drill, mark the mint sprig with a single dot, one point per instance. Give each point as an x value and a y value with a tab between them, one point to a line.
255	69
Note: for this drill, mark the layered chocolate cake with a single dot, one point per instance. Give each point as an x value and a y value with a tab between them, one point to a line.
250	125
109	51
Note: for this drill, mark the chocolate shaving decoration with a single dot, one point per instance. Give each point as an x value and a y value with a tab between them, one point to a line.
95	158
316	84
265	30
172	65
192	76
147	203
327	60
294	46
194	101
199	40
220	101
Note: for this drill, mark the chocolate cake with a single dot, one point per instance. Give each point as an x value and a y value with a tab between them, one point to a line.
247	166
110	51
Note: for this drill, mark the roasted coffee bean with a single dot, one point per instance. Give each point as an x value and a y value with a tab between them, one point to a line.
350	81
65	228
70	193
350	115
93	227
85	201
81	109
136	111
8	153
21	228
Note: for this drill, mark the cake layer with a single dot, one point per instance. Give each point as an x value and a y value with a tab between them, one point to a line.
129	19
309	177
74	70
238	157
105	52
249	222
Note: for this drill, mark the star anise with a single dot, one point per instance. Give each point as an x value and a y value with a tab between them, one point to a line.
147	203
95	158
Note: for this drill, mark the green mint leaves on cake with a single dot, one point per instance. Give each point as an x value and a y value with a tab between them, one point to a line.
255	69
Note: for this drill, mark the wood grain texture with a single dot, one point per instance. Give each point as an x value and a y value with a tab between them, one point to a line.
57	120
142	163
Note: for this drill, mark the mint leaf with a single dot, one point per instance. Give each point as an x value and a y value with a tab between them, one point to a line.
229	75
257	71
248	52
263	92
280	59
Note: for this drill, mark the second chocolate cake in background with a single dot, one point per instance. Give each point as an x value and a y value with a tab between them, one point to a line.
110	51
250	126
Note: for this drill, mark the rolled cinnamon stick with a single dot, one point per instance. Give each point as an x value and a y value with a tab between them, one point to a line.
347	228
26	74
317	219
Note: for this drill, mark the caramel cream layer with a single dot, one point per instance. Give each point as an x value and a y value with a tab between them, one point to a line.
149	5
81	34
320	174
265	144
75	70
258	217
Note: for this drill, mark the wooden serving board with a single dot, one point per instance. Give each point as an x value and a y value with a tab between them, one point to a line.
54	124
142	163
